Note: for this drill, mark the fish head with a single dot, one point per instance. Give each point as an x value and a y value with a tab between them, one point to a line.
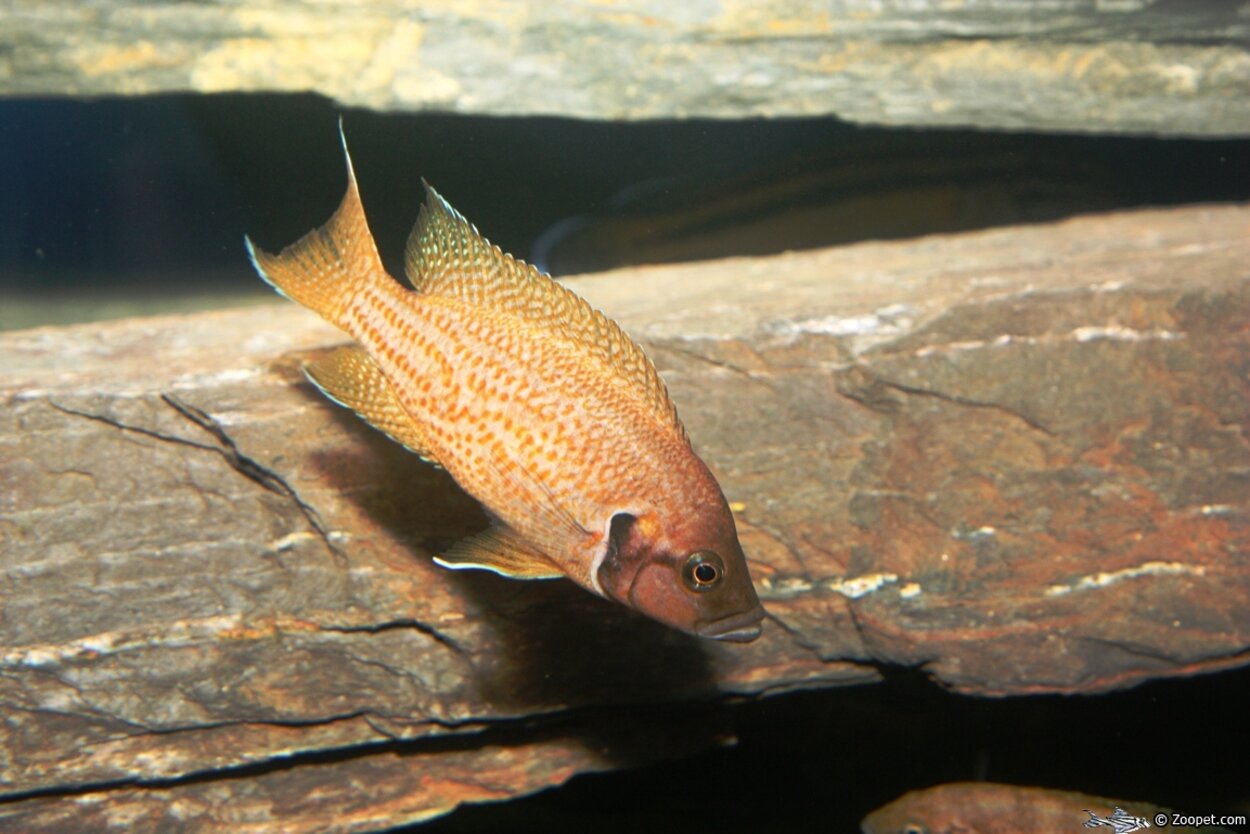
693	578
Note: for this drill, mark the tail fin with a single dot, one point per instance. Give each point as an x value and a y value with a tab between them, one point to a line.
324	269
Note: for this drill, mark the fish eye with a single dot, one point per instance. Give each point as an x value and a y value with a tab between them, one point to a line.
703	570
915	828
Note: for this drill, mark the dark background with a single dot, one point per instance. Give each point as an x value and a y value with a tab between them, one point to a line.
819	761
146	201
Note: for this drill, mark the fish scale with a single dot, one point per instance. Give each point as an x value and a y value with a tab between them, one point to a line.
437	374
536	404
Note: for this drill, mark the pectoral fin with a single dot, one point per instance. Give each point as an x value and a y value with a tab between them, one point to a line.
349	377
500	551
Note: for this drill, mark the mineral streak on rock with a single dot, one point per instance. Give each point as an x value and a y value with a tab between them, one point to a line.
1018	459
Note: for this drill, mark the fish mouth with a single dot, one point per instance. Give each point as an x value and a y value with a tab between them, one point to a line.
736	628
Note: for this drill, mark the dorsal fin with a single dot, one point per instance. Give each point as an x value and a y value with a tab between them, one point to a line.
447	256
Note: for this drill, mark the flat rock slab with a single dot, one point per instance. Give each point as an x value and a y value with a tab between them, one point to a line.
1018	459
1130	66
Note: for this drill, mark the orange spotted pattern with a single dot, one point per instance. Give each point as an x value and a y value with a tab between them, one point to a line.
496	393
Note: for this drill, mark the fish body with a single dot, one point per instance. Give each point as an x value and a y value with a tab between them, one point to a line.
536	404
989	808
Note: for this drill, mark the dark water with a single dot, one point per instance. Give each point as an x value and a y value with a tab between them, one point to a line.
121	206
819	761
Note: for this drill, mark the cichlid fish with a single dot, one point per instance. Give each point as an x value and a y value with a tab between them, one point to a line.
537	404
989	808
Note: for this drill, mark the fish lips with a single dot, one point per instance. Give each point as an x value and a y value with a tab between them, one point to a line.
736	628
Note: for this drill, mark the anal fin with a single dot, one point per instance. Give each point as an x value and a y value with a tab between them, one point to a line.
349	377
500	551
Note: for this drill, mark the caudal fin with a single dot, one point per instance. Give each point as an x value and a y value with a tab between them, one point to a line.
326	267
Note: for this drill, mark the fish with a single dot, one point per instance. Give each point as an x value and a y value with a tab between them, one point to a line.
536	404
990	808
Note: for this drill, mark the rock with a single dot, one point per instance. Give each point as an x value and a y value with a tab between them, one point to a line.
1139	66
1017	459
370	790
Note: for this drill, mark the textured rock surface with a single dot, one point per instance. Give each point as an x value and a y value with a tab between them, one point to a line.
370	790
1018	459
1133	66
